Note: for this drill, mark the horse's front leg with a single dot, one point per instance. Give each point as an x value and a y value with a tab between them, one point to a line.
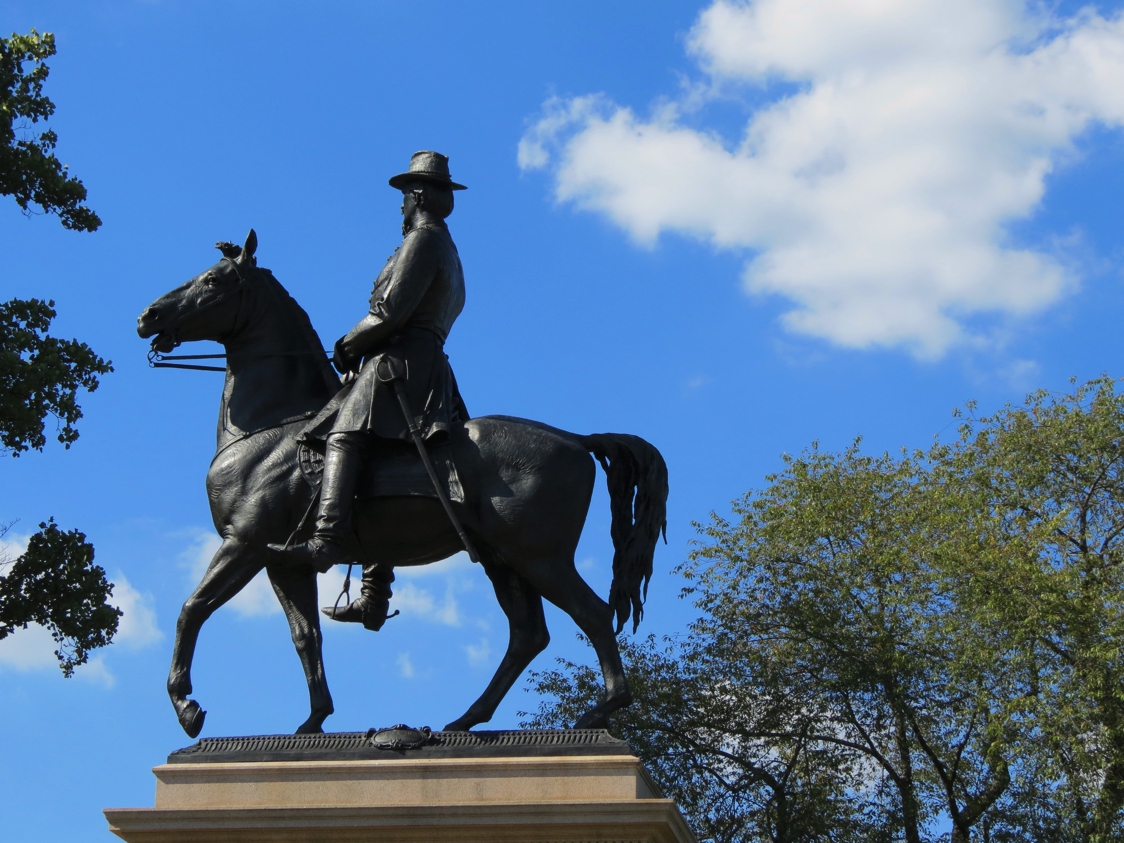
295	588
232	567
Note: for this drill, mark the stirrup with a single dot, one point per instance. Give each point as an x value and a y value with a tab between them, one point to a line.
371	613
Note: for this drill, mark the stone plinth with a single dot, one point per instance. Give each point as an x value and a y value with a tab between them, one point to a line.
576	786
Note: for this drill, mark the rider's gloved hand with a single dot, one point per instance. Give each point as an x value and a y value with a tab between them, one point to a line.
343	361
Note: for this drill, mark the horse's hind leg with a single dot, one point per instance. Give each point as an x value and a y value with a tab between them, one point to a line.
527	638
232	567
559	582
296	590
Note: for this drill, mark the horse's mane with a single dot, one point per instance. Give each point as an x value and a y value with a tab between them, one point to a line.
304	326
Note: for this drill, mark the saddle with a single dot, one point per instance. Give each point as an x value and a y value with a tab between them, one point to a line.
392	472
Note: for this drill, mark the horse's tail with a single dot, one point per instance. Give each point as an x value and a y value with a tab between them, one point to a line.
636	475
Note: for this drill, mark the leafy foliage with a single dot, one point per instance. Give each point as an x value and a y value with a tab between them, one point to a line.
737	772
40	376
57	585
29	169
887	643
1052	475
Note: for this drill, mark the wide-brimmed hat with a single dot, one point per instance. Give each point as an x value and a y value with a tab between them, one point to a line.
427	166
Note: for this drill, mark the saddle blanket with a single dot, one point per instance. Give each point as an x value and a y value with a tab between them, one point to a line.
398	473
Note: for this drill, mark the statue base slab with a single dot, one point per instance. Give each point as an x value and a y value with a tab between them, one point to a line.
574	786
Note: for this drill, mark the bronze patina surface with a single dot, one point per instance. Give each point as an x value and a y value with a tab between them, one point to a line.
522	488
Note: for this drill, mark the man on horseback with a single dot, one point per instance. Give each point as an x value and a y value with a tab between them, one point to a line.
417	297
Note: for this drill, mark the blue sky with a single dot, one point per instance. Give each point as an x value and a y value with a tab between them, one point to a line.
731	229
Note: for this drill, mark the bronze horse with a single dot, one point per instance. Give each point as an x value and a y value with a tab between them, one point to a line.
527	489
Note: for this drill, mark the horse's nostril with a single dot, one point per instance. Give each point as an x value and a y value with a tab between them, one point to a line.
149	313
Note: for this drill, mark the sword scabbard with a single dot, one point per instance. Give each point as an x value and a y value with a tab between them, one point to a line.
423	452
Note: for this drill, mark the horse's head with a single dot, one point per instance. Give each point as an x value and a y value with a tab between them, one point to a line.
205	308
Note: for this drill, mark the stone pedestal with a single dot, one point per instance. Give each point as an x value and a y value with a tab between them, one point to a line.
575	786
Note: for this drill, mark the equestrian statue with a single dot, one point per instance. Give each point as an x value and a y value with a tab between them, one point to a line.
385	467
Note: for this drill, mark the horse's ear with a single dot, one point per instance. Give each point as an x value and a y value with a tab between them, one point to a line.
251	245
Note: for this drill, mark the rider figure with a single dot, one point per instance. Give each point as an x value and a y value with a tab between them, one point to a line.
417	297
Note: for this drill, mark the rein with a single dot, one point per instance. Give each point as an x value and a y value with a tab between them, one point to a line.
156	360
246	434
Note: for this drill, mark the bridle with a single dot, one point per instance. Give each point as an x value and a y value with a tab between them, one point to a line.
158	360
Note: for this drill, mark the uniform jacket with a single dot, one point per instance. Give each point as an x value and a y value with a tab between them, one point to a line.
417	297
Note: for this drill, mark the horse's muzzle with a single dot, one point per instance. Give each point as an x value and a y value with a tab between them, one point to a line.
163	343
148	323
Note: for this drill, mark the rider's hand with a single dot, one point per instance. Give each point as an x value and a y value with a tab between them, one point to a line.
344	362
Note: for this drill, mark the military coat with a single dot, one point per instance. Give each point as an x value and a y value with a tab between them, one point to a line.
417	297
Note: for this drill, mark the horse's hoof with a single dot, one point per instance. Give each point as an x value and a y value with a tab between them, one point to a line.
314	725
462	725
593	719
191	718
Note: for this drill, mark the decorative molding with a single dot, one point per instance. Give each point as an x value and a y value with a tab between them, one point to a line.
399	737
357	745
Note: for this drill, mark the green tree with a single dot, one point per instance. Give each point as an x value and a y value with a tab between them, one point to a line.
1052	476
40	376
903	640
55	583
829	612
742	766
29	168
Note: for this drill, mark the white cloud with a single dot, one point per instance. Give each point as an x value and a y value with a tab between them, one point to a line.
419	602
255	600
875	194
405	666
329	585
12	545
96	671
1021	374
29	649
697	382
204	545
25	649
33	649
137	627
478	654
415	601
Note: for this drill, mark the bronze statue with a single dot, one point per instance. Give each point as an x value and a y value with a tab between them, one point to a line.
514	492
417	297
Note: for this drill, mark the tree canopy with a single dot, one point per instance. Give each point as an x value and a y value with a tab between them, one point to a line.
29	169
894	647
40	376
55	582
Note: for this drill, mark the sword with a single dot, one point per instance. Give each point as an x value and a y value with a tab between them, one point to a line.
416	435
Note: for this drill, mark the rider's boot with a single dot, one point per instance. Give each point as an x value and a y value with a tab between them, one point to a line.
371	606
333	541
